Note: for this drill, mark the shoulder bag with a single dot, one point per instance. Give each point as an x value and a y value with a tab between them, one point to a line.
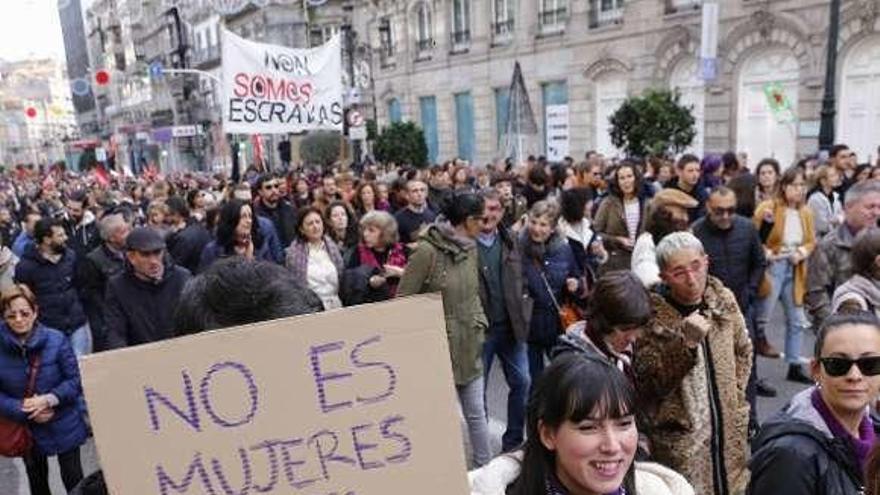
15	438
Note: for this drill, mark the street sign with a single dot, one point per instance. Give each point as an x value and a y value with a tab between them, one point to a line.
80	87
357	133
185	131
355	118
100	154
156	70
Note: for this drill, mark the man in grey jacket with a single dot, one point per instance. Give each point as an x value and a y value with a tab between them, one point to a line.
830	265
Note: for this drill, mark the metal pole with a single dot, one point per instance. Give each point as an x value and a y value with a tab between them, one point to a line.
826	130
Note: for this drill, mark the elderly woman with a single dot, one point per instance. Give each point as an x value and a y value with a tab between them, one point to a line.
551	274
314	258
40	389
373	270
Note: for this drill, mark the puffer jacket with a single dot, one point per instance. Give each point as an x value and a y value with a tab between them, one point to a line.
556	265
448	263
796	454
651	478
58	374
695	398
829	266
54	286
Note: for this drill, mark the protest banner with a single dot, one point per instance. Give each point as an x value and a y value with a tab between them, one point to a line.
276	90
353	401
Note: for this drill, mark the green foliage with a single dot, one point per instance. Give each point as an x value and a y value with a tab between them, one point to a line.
372	130
321	147
402	143
652	124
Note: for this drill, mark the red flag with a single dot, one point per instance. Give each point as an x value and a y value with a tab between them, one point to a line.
257	142
101	177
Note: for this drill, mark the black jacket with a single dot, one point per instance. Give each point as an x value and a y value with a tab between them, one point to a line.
94	272
283	217
187	244
699	193
795	454
54	285
736	256
137	312
83	238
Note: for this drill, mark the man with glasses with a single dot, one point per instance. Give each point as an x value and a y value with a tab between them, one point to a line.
140	302
269	204
692	365
736	257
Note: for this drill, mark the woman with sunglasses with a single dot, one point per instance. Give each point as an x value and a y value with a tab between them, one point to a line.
820	442
52	409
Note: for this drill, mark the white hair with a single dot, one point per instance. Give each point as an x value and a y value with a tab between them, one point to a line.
675	242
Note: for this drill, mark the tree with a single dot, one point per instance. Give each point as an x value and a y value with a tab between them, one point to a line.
652	124
402	143
320	147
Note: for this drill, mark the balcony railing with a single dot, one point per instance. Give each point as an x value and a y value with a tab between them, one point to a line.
675	6
553	20
206	55
425	45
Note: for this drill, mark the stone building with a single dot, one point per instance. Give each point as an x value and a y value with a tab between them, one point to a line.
447	64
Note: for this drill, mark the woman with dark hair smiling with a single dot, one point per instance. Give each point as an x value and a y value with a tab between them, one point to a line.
820	442
582	439
621	216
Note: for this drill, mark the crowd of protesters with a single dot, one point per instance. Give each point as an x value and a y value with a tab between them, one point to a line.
625	301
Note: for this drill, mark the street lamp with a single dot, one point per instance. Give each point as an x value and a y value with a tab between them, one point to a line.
350	34
826	131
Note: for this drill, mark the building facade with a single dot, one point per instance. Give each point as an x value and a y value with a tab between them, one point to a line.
447	65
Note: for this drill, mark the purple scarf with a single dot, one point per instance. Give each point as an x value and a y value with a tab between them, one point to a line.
555	487
861	446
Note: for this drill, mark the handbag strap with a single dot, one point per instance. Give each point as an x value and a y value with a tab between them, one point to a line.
33	366
547	285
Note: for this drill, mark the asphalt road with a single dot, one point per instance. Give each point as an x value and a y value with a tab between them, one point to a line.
14	482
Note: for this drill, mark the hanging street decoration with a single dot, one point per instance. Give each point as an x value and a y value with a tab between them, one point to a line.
102	77
31	112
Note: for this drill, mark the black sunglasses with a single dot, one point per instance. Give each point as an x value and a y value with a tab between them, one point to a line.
836	366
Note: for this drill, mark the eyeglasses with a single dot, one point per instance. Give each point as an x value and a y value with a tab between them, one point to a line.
837	366
724	211
695	267
12	315
270	186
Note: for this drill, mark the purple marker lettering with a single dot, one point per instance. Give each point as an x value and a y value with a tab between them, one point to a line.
385	426
204	394
392	376
321	377
246	471
361	447
325	454
191	418
290	463
269	447
195	467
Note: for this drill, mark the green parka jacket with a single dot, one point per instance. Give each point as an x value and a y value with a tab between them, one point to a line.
448	263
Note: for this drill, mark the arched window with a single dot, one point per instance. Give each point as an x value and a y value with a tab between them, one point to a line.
858	113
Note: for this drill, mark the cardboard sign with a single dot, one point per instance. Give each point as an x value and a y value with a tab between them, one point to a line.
353	401
274	89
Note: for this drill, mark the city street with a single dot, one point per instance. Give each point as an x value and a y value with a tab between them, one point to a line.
12	471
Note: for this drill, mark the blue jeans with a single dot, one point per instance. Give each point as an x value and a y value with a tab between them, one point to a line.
471	397
782	281
515	365
81	340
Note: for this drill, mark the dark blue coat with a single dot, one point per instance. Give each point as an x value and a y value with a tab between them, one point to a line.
58	375
557	265
53	284
214	251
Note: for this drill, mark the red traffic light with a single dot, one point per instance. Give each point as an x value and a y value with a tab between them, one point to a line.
102	77
31	112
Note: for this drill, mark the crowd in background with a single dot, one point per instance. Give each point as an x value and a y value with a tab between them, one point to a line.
624	300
